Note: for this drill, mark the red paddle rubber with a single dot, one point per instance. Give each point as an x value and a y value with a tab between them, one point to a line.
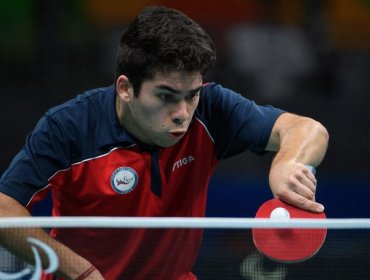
288	245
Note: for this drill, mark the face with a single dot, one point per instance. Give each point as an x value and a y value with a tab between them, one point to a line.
160	115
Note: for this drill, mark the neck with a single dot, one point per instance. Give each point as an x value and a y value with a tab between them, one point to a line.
126	121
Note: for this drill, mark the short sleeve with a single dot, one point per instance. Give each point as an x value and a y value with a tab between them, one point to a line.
236	123
44	152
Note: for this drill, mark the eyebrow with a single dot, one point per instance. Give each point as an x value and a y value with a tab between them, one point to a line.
168	88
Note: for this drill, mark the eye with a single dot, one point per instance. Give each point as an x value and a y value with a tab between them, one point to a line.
192	96
168	98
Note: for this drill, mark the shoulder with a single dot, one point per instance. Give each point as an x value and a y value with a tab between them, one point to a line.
91	100
214	91
75	129
217	102
82	113
215	96
220	101
235	122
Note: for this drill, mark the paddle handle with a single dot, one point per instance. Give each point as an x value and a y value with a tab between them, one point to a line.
311	168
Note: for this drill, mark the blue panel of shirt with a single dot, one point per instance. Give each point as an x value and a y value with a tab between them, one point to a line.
235	123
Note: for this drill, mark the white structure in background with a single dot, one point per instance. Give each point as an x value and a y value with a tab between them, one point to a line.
36	270
273	58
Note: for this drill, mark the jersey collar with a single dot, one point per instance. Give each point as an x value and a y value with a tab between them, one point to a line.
112	134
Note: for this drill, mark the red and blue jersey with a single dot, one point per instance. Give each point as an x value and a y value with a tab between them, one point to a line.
93	167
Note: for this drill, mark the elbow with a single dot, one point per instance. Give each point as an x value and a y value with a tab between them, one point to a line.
319	133
322	132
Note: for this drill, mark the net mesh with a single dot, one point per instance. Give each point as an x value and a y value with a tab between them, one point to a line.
154	250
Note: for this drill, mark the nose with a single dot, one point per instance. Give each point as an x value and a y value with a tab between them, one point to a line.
180	112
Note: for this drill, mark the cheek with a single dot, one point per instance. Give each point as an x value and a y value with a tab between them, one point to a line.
192	107
151	115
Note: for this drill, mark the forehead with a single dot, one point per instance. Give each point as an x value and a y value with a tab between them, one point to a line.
179	80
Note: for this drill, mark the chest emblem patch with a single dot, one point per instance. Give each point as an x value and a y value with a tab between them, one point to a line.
124	180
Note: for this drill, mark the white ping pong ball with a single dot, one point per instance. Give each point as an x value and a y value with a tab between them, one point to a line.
280	213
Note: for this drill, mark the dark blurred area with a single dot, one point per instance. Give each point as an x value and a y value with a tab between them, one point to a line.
309	57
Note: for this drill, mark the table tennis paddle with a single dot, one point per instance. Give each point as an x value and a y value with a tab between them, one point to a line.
287	245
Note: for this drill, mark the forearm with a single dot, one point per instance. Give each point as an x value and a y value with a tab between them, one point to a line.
71	265
301	140
15	240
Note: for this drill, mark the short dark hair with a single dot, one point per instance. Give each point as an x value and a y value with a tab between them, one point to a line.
163	39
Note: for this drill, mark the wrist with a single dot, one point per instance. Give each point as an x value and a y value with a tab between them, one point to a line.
86	273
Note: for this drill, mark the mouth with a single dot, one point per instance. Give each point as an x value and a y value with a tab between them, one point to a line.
177	135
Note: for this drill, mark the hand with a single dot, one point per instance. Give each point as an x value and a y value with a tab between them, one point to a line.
295	184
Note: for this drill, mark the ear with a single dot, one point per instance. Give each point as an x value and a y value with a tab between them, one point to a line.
123	88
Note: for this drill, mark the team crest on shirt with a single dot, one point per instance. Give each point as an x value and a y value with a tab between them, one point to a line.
124	180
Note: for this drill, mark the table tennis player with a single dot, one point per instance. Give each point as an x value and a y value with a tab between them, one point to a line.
147	146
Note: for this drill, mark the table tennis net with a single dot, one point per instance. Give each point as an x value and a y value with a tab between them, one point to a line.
227	250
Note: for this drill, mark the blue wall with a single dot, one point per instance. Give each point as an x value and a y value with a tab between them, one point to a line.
344	196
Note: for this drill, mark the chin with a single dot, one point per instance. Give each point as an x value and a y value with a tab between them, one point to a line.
166	144
162	145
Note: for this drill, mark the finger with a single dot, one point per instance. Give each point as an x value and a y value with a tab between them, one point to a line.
308	180
310	175
301	202
298	187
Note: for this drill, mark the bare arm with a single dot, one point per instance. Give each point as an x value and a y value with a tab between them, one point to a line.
71	265
298	141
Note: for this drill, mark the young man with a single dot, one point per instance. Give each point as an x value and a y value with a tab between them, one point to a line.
147	146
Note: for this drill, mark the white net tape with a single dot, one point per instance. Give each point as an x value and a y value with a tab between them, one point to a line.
215	223
227	250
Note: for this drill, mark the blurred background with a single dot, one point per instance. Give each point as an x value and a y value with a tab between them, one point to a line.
309	57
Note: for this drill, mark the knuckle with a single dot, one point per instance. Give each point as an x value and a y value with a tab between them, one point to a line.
291	180
283	194
302	203
311	196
